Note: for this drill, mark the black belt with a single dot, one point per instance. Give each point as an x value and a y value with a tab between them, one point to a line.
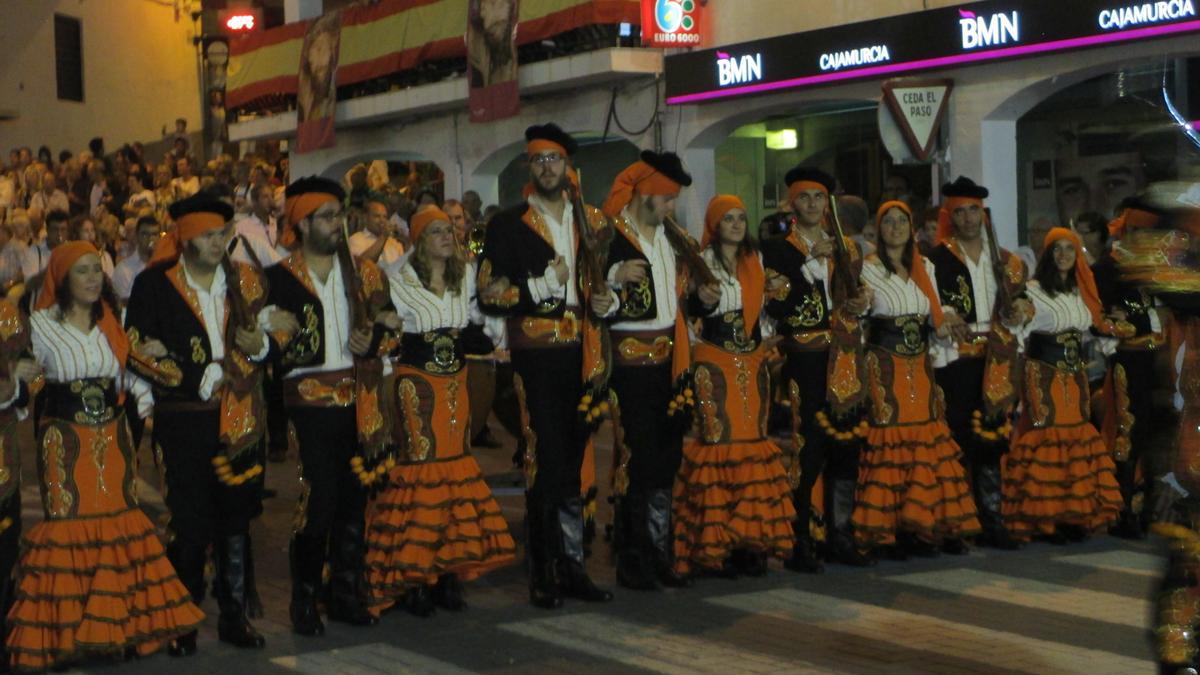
906	335
728	331
91	400
1061	350
436	351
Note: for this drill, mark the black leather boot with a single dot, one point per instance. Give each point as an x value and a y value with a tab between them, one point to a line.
188	559
573	579
448	593
418	600
543	572
254	605
229	587
348	549
307	558
988	498
842	547
658	525
635	565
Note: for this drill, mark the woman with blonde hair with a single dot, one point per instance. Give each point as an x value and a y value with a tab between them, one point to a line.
435	524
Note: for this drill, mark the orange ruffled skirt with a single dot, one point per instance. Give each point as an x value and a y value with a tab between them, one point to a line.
1059	475
731	496
436	516
96	584
1059	470
910	480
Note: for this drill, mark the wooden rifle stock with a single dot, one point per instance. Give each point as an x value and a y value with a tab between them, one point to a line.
844	284
1004	298
682	243
594	245
359	318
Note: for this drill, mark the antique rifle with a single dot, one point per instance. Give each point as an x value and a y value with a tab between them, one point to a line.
686	249
844	284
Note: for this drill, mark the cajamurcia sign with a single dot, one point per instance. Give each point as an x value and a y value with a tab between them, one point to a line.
938	38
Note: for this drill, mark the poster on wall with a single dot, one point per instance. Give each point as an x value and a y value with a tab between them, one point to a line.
670	23
492	59
317	92
1061	188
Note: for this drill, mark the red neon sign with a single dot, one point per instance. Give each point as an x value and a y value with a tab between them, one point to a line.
240	22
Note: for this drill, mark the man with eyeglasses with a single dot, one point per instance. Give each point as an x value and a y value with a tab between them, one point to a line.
147	232
529	272
338	324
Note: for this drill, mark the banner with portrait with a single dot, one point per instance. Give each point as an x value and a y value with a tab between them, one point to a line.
492	59
317	91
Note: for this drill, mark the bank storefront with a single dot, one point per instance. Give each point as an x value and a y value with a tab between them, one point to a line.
1059	107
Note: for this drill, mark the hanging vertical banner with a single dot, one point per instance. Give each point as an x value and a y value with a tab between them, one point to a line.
670	23
492	59
316	94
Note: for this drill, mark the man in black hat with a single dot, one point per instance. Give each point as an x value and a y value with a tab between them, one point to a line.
530	272
340	323
799	270
650	352
206	374
969	284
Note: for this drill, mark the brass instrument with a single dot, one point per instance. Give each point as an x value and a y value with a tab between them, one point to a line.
475	239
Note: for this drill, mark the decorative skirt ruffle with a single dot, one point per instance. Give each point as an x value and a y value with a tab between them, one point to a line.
432	519
731	496
910	480
95	585
1059	475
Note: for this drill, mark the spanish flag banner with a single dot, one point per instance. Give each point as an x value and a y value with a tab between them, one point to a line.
392	36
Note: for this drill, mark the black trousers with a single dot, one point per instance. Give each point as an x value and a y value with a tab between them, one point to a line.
1139	375
10	548
962	385
820	455
328	438
655	441
202	508
552	379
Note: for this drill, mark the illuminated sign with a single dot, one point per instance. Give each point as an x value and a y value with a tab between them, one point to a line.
987	31
1147	12
240	20
855	57
670	23
938	38
734	70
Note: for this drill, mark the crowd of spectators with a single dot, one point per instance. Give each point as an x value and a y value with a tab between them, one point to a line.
119	200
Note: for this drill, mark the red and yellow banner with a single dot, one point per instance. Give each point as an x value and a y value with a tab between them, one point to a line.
396	35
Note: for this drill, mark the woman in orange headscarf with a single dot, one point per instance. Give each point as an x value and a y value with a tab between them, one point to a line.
94	577
732	503
435	524
1059	478
912	493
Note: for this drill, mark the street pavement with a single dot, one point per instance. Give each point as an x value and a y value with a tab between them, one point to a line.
1083	608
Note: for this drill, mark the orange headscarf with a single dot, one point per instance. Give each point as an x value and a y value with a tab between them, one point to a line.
187	227
296	209
749	270
421	219
641	178
62	259
539	145
917	273
945	228
799	186
1083	273
1131	219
